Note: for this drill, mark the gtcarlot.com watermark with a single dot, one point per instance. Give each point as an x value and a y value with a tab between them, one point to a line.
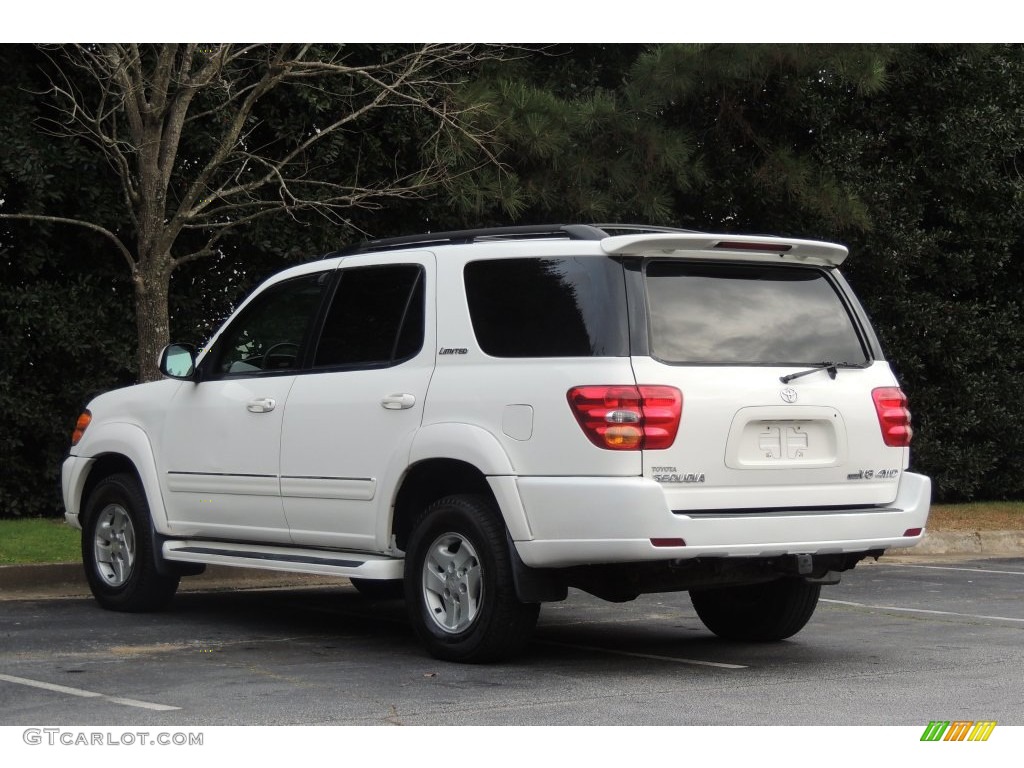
69	737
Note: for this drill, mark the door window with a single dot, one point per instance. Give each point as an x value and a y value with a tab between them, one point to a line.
270	334
375	319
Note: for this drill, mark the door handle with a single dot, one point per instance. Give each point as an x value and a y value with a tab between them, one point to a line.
262	405
398	402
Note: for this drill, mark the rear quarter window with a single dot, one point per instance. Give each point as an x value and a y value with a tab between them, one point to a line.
548	307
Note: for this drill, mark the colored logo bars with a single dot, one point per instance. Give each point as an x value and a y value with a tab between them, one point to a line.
958	730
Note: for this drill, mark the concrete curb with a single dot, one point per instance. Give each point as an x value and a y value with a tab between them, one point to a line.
68	579
28	577
978	543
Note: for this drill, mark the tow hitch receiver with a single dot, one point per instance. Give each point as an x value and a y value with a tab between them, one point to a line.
805	568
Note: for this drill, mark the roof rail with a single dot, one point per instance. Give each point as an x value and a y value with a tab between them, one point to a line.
462	236
639	229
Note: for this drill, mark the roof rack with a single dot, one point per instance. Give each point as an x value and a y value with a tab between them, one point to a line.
639	229
463	236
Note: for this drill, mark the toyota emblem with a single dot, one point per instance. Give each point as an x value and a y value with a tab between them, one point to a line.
788	395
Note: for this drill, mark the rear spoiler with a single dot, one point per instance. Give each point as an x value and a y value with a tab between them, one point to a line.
753	247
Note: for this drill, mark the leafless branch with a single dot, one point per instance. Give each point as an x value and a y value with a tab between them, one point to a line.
76	222
136	105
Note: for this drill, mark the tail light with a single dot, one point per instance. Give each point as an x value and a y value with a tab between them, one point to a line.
83	421
893	416
628	418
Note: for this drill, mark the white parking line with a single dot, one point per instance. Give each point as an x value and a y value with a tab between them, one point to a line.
952	568
85	694
920	610
676	659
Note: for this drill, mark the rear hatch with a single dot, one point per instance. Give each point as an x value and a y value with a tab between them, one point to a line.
787	403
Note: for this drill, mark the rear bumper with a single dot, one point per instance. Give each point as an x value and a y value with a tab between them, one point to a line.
578	521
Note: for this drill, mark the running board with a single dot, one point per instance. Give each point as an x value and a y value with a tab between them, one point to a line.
294	559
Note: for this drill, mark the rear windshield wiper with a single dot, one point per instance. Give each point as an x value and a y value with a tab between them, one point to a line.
828	365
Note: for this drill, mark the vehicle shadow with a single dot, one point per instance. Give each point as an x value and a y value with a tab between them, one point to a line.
585	630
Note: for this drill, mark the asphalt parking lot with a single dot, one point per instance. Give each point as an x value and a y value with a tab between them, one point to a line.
897	643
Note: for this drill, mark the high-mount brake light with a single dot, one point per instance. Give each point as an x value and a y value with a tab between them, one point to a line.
733	245
628	418
893	416
80	426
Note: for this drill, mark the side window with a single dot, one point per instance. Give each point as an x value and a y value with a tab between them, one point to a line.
376	318
270	333
548	307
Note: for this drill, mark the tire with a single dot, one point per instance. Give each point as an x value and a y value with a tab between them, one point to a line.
459	587
380	589
117	549
759	612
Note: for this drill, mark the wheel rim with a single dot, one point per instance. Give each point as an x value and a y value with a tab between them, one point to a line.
114	545
452	583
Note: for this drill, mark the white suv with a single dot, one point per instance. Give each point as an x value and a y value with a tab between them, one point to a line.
482	419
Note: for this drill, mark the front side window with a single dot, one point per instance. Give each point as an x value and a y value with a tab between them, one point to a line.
270	333
376	318
738	314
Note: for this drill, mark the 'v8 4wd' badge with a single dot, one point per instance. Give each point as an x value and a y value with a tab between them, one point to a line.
874	474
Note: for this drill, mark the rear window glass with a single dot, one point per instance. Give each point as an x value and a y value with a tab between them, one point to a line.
748	314
548	307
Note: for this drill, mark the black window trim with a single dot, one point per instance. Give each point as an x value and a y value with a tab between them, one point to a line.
420	277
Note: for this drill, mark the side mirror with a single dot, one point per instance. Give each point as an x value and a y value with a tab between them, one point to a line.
178	361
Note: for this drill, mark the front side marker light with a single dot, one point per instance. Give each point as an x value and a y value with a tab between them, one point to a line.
80	426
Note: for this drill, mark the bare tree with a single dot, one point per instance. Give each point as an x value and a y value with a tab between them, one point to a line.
137	104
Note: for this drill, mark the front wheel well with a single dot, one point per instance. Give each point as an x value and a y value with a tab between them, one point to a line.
103	467
109	465
430	480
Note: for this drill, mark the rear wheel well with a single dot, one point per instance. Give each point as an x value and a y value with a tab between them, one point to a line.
428	481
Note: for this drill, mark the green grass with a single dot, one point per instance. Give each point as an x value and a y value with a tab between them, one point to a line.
37	540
